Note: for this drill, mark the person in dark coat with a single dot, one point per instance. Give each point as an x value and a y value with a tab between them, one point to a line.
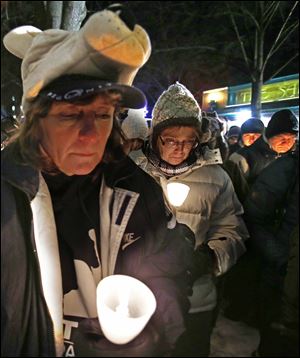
272	214
251	130
244	167
279	138
285	328
233	139
75	209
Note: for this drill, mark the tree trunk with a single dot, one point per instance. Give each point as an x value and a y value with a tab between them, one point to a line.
54	11
258	72
256	97
74	13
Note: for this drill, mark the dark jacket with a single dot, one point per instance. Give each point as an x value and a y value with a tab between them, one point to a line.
290	297
272	212
245	164
160	259
26	326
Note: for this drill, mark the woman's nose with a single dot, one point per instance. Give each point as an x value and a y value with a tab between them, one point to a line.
179	146
88	130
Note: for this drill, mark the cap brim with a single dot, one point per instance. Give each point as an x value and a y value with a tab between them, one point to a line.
72	90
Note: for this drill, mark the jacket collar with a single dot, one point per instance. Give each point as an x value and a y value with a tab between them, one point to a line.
26	178
19	175
262	144
115	172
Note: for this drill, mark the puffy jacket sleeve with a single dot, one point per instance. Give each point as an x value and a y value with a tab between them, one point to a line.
227	231
241	162
238	178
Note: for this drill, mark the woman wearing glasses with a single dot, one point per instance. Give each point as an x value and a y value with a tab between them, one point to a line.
211	208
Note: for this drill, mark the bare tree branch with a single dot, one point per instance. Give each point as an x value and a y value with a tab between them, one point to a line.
239	39
283	66
180	48
269	14
252	17
279	35
293	27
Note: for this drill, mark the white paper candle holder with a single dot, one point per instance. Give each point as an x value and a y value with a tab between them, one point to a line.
177	193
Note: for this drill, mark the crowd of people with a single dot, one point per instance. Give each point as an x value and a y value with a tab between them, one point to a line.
85	195
260	285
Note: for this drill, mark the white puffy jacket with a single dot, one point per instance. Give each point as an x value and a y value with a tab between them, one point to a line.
213	212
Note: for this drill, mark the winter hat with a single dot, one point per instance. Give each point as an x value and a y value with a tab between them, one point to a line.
212	126
252	125
135	125
105	48
283	121
176	106
233	131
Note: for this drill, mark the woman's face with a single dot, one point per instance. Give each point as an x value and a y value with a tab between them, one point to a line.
175	144
75	135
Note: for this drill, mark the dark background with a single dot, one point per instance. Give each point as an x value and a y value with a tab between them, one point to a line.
192	42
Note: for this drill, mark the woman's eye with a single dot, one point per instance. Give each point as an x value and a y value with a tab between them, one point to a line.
69	116
103	116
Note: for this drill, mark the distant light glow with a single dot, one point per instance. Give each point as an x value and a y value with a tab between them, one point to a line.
240	118
145	111
215	97
265	120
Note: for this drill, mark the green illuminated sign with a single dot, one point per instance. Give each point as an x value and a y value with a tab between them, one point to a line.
271	92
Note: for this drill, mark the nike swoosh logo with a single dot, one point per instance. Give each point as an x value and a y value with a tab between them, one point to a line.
129	242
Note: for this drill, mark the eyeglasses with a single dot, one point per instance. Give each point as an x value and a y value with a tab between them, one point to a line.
172	144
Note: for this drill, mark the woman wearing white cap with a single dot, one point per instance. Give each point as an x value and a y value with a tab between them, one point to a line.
75	209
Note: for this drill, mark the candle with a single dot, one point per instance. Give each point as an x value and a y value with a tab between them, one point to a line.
124	306
177	193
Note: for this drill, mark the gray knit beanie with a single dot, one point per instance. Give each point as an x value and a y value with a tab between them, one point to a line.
176	106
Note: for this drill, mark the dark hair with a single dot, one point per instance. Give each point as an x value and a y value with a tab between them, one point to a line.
28	138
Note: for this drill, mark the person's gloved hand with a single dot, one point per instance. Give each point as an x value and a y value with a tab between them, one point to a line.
204	261
90	342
